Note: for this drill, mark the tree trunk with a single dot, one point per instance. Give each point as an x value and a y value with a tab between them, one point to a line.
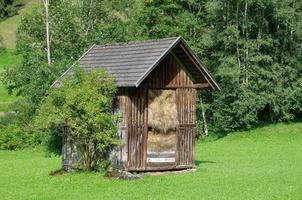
46	5
245	79
70	155
237	43
203	113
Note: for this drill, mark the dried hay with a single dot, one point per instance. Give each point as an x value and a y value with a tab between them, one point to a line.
162	110
161	142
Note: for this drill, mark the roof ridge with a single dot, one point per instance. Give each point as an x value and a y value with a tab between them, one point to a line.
136	42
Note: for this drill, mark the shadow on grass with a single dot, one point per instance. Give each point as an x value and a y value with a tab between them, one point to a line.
199	162
58	172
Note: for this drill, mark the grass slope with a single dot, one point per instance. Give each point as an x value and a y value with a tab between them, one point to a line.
7	58
264	163
8	32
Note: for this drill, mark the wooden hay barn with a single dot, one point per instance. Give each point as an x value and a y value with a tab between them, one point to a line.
157	82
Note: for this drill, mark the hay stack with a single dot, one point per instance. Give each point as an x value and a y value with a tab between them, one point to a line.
162	110
158	143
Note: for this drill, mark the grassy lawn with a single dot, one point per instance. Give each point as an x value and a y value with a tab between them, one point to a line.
7	58
8	32
264	163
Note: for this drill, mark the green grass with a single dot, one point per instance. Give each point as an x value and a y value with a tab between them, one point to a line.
7	58
9	26
264	163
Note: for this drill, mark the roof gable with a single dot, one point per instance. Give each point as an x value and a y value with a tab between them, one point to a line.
130	63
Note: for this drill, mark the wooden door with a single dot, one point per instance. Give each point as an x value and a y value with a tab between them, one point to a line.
186	108
137	130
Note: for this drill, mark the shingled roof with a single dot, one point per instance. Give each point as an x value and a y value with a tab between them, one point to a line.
130	63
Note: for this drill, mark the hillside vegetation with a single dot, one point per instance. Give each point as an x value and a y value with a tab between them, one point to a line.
263	163
252	48
8	56
9	26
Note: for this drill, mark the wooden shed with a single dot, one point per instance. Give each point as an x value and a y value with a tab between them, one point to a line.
157	82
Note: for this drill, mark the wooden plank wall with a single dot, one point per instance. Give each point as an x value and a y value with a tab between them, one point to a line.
137	130
186	106
171	74
118	155
168	75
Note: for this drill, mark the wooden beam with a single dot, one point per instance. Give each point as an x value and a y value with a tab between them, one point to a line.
196	64
197	86
202	85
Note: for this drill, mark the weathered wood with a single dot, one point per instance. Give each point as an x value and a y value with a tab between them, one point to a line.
201	85
70	155
168	75
136	128
186	130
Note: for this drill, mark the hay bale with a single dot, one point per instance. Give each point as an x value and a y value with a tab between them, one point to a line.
161	142
162	110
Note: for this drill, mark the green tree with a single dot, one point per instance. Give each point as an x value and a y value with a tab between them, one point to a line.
257	57
252	46
74	27
7	9
81	110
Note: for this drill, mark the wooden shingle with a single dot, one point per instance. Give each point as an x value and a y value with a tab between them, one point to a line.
130	63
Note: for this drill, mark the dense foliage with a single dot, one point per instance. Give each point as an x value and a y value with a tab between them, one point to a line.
12	136
253	48
8	8
74	28
81	110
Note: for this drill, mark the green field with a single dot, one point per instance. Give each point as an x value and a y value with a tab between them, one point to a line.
264	163
10	25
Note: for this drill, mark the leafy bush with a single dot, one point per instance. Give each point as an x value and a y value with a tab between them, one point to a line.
7	9
13	137
81	110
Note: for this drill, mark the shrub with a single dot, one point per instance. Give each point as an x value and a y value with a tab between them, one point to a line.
81	111
13	137
7	9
